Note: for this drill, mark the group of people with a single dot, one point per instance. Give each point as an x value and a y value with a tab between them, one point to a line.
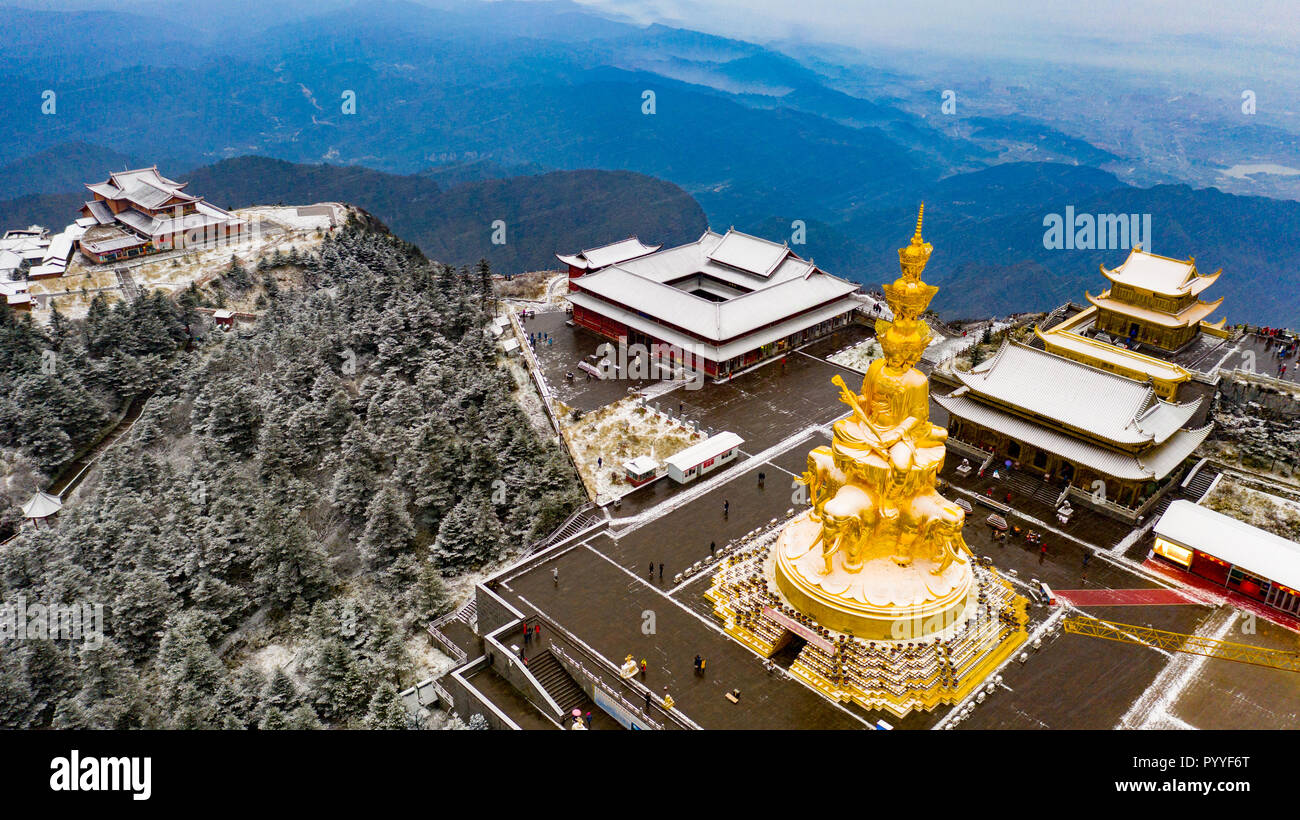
1283	347
532	633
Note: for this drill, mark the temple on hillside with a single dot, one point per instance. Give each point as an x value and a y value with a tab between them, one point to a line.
722	303
874	582
139	212
1153	300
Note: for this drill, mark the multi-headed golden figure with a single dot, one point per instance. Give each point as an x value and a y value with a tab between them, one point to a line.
875	578
872	490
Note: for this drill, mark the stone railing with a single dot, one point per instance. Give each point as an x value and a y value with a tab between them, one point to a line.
603	665
576	668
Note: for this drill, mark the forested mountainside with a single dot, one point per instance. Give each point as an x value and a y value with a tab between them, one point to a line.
276	529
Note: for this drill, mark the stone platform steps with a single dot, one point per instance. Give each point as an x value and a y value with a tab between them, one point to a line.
562	688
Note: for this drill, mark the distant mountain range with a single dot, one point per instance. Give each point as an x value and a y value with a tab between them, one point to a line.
472	112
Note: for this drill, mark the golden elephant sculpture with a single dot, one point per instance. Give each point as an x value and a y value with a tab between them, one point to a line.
848	521
822	478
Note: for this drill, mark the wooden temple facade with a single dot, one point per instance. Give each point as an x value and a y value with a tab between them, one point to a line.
137	212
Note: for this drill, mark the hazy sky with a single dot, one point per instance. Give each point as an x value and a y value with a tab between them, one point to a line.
975	24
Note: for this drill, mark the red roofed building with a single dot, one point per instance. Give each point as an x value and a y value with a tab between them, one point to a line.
718	305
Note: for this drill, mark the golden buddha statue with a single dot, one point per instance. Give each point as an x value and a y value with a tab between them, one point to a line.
890	545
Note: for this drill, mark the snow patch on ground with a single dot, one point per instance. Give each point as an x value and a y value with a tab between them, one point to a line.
272	657
293	217
859	356
617	433
428	660
527	397
1271	513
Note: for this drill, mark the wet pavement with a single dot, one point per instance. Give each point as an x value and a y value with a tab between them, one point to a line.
618	613
1259	697
560	351
1080	682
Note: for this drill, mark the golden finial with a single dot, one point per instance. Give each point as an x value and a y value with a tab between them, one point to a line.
917	253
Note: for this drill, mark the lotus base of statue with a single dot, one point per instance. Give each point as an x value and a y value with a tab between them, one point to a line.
879	599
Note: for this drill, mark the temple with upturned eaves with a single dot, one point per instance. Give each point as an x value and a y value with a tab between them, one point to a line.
1155	300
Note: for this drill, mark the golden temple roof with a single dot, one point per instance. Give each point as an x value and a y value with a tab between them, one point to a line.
1163	275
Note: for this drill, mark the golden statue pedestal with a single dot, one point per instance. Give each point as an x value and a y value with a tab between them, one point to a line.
880	600
919	670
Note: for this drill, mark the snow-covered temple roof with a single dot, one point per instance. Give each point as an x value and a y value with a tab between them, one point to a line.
775	285
1073	394
1160	274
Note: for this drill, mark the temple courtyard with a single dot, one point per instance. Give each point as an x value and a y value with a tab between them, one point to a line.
598	594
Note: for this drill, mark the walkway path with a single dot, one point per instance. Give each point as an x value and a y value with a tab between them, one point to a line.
75	471
1125	597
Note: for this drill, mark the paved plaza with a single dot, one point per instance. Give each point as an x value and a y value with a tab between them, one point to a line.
611	597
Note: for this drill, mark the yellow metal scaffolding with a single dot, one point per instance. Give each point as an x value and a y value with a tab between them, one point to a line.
1178	642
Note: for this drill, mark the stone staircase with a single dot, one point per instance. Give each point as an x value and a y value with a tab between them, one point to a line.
468	614
562	688
1034	488
1200	482
584	518
1192	492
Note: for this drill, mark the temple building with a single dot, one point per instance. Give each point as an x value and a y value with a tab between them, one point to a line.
728	301
139	212
594	259
1153	301
1148	326
1075	424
